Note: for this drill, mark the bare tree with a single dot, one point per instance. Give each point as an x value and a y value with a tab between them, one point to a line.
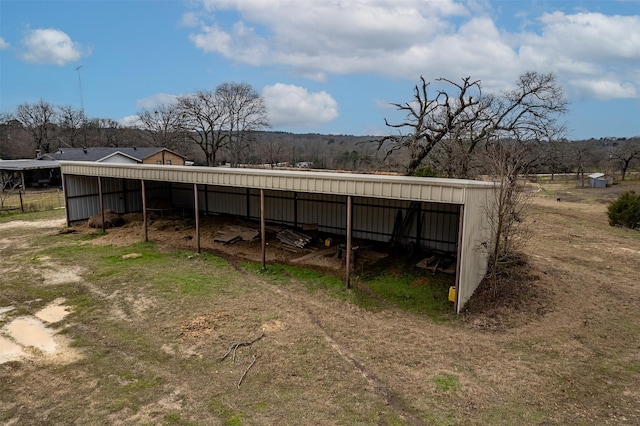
528	112
244	113
222	119
38	119
72	123
165	127
507	161
107	132
580	156
431	120
201	116
625	152
272	150
531	110
9	183
510	127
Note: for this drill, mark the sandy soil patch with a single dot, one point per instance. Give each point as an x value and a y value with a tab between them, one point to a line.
31	336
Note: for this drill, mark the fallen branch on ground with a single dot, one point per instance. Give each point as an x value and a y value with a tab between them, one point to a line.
253	361
235	346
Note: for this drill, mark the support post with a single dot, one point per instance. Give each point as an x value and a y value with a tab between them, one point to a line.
196	209
348	254
295	209
65	186
459	258
101	202
144	210
263	233
24	186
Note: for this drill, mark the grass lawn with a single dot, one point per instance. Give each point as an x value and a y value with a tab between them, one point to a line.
148	324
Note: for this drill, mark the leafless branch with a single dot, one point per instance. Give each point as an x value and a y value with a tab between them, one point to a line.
234	346
253	361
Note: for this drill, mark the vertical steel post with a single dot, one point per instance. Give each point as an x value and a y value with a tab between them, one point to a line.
263	233
459	257
348	254
101	202
144	211
196	208
65	187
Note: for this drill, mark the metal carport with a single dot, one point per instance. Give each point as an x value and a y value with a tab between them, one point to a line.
451	213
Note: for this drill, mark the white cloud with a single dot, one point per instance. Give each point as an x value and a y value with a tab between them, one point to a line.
606	89
409	38
585	49
50	46
4	44
584	41
153	101
130	121
318	37
293	106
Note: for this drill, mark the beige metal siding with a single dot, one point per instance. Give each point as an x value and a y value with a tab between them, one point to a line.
475	240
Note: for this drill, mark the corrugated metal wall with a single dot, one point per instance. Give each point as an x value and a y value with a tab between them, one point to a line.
373	218
476	240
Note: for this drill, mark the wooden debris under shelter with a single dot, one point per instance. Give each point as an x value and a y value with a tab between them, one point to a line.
293	238
232	234
439	263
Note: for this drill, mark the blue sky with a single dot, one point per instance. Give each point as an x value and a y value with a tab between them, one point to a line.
322	66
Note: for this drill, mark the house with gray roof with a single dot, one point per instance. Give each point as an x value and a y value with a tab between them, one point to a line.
121	155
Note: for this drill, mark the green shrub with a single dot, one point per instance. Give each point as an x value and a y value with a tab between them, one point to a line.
625	211
425	171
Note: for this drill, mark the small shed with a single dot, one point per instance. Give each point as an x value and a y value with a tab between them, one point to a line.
599	180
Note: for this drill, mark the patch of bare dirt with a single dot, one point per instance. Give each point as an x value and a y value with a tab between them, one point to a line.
512	299
178	233
53	223
201	325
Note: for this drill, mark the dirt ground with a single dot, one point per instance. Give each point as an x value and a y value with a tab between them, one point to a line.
561	345
178	232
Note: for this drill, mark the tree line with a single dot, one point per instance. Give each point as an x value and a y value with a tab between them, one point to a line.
450	131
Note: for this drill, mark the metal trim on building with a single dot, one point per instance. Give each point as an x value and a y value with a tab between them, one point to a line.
357	184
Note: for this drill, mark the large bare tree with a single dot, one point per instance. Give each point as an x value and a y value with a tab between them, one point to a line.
461	117
223	119
244	113
429	120
201	116
38	119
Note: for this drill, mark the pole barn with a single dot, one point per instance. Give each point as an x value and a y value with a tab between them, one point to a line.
449	215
